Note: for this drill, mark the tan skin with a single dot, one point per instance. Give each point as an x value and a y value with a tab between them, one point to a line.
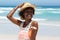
28	16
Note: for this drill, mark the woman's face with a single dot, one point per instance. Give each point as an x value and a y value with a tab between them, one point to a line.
28	14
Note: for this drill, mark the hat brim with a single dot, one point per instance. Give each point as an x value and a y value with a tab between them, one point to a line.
26	5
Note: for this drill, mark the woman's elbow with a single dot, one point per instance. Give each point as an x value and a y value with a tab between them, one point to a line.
8	17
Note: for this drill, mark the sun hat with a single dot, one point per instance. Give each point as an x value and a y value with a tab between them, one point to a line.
26	5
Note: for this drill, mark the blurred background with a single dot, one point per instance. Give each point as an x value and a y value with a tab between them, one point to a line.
47	13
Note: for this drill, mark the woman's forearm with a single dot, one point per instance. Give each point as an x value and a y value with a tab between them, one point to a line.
12	12
14	9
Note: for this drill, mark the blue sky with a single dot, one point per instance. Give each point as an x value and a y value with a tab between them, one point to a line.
36	2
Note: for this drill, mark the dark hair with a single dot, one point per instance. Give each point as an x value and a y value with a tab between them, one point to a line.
22	12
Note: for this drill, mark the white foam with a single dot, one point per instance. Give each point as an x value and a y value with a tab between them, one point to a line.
9	8
36	19
56	12
2	11
38	12
48	9
41	21
52	10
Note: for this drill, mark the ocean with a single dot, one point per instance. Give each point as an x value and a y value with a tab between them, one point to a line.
48	22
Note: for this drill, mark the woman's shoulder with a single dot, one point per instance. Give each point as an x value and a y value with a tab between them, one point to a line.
34	22
34	25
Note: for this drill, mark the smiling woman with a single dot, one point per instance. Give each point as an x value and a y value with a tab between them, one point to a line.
28	28
48	19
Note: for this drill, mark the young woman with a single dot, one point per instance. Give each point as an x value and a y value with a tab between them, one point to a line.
28	28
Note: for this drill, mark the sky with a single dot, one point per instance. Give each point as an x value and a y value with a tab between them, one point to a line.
36	2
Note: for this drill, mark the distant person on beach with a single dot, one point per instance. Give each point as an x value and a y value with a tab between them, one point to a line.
28	28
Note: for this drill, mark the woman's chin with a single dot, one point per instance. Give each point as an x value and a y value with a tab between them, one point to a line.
28	19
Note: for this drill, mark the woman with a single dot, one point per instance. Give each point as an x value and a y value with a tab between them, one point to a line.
28	28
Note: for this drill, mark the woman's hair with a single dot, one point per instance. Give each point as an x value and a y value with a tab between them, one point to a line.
22	12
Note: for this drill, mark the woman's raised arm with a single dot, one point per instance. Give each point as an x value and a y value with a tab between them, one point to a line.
10	15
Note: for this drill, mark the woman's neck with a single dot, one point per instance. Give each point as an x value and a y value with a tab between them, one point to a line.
27	21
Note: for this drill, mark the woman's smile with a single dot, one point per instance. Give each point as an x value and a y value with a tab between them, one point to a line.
28	14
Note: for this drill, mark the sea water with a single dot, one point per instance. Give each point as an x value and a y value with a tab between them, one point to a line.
48	22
